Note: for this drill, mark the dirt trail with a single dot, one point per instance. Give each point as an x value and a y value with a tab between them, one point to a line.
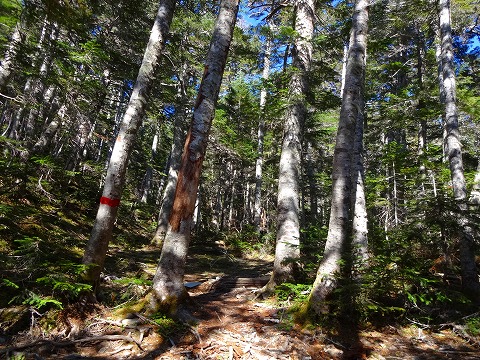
231	326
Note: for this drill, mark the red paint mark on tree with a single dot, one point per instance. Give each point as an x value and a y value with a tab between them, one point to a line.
110	202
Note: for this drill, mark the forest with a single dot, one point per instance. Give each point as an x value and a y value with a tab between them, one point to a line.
231	179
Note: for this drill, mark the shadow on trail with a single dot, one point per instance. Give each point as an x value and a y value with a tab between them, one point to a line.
222	306
349	332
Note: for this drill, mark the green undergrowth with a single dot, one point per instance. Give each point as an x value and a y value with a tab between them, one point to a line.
168	327
473	326
46	216
248	243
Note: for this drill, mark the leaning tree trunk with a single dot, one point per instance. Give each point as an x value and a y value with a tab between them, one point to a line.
168	289
287	249
46	138
343	177
453	152
96	249
41	93
15	129
8	62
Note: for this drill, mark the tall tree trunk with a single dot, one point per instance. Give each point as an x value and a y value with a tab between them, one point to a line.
169	291
169	192
261	133
395	193
438	56
96	249
30	92
179	130
41	95
231	224
359	222
454	154
422	130
343	177
287	249
8	62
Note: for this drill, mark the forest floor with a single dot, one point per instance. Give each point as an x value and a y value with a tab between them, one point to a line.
231	324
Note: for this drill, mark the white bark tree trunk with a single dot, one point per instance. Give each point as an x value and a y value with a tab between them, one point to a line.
46	138
96	249
453	150
8	62
287	249
168	289
422	130
359	223
340	227
260	136
40	95
31	83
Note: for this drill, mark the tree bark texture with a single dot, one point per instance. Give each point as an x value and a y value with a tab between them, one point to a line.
169	291
345	171
359	246
169	192
287	249
101	235
453	150
179	132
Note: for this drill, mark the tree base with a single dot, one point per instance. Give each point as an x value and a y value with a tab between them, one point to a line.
176	307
